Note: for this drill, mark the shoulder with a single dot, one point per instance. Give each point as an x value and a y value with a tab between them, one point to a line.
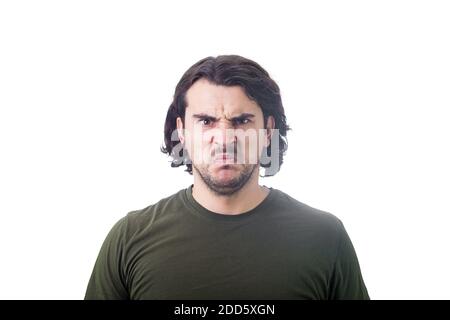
144	219
307	217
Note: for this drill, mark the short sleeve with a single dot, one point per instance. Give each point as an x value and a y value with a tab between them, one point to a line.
346	281
107	281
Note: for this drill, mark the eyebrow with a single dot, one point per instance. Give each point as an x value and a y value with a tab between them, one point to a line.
239	117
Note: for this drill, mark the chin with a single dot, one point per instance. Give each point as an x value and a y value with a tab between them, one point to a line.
225	173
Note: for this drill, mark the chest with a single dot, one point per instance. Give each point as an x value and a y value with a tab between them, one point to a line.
227	265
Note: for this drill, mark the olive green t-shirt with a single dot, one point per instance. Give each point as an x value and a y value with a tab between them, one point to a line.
177	249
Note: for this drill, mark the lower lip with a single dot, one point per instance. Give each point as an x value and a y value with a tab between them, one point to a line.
224	160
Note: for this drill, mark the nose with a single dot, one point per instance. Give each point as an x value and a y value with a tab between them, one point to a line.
224	136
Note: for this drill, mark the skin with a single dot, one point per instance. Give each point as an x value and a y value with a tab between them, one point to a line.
215	118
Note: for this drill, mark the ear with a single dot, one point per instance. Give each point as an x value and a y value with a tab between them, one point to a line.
180	130
270	125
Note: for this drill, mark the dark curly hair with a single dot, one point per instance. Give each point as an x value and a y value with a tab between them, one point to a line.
228	70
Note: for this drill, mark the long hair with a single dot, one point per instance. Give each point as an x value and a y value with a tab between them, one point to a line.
228	70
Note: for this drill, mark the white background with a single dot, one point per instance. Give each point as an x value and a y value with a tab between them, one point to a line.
85	86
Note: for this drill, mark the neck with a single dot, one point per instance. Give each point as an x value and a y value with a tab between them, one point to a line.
247	198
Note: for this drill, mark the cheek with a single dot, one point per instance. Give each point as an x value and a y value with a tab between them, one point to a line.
250	149
193	139
199	148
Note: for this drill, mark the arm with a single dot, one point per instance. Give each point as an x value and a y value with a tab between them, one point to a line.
346	281
107	281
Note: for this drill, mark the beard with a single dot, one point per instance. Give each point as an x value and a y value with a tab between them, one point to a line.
229	186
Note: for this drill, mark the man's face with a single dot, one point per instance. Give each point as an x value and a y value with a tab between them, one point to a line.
223	134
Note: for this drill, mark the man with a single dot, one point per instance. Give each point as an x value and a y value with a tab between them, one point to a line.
225	236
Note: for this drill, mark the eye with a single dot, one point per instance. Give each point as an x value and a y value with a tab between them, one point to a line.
242	121
205	121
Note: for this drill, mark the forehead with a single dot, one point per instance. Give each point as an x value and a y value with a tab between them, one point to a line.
217	100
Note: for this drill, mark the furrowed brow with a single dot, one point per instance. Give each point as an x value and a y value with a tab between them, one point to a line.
243	116
203	116
239	117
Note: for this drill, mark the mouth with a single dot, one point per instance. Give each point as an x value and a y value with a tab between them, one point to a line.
225	157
